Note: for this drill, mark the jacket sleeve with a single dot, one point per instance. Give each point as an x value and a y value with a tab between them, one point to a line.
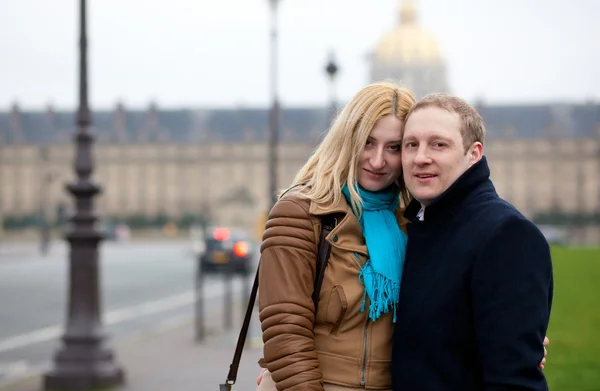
286	281
512	290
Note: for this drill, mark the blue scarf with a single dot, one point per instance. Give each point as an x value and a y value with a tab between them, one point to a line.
386	244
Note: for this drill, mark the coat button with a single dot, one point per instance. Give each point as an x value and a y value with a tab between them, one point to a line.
335	238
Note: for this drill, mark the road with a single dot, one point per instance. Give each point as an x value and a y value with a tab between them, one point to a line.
144	286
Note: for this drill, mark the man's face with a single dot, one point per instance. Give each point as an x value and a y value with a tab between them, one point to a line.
380	162
433	155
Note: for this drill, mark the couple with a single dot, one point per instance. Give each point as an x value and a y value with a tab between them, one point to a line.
433	281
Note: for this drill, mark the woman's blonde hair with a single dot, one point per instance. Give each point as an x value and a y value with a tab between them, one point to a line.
334	163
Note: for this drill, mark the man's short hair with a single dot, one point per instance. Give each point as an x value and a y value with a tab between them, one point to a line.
472	128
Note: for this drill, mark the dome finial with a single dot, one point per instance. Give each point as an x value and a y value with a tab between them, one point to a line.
408	12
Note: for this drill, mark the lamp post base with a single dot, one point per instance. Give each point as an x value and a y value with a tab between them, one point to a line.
81	368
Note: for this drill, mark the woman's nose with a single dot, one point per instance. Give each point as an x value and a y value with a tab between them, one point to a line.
377	161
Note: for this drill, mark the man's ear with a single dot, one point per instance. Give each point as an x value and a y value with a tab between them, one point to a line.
475	153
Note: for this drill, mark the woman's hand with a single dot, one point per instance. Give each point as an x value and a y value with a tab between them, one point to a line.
543	363
260	376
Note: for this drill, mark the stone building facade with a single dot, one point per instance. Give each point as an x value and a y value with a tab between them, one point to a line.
213	162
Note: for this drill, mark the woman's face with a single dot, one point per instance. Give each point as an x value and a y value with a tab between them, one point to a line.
380	163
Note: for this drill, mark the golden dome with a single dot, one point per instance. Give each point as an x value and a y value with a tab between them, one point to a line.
408	43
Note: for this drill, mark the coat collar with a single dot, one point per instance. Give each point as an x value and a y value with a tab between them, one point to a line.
447	202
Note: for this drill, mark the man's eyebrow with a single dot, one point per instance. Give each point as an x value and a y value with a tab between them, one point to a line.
431	137
438	137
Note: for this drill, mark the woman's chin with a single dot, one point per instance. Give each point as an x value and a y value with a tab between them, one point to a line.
373	186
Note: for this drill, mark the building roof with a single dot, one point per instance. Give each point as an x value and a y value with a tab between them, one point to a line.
541	121
408	43
297	124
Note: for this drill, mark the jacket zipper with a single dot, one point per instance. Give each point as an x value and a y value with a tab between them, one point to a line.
366	341
364	363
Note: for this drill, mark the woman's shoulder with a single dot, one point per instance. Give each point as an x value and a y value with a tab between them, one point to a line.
290	223
292	204
297	192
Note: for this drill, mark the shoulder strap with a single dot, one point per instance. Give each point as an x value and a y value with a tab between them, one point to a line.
237	356
327	224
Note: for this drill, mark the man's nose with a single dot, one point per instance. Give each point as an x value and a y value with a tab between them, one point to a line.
377	160
422	156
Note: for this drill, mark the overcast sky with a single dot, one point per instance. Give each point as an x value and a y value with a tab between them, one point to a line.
213	53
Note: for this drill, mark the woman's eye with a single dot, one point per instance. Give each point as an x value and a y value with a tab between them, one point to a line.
396	147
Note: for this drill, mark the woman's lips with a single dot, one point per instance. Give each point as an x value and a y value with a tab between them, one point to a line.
376	175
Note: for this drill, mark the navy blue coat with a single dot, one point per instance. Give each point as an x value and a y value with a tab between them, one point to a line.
476	294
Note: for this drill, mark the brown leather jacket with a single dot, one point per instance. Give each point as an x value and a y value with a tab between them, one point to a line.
343	347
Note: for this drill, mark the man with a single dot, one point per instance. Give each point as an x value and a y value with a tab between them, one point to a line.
477	285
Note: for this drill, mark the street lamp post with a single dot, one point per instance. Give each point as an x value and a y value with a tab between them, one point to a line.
275	109
83	361
580	158
45	181
1	187
332	69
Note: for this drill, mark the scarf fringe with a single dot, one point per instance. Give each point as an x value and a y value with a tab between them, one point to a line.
385	293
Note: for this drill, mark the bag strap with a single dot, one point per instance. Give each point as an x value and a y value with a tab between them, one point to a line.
328	223
237	356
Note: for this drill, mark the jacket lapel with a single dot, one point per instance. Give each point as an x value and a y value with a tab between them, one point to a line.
347	234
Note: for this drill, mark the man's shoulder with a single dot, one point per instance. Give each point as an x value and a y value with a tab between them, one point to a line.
493	210
494	216
498	218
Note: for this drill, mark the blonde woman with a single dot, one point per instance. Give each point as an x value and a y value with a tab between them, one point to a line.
355	175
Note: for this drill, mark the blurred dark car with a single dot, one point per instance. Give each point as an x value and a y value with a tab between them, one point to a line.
226	248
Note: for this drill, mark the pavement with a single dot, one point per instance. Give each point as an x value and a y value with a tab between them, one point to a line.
11	250
170	359
157	350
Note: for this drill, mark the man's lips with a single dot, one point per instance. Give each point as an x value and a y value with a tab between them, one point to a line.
424	178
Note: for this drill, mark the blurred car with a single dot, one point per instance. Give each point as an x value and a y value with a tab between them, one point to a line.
116	232
122	233
108	229
554	235
226	248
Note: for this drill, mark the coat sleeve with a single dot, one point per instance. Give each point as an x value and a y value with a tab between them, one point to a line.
286	281
512	290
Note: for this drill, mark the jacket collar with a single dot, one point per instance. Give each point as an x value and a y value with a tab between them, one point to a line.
454	195
348	230
340	207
